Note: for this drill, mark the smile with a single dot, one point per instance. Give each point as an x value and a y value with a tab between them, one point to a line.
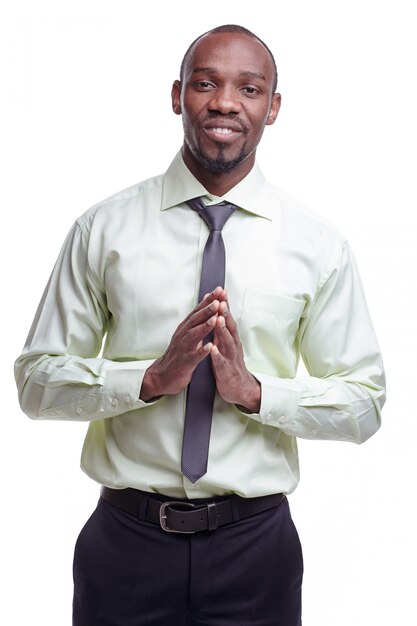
221	133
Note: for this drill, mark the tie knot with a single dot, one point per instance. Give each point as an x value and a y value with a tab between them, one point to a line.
214	215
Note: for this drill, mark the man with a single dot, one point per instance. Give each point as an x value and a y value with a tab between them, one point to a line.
193	526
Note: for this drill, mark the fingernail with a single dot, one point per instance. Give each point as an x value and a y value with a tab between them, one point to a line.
215	350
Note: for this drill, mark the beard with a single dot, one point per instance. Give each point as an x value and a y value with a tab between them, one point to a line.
219	163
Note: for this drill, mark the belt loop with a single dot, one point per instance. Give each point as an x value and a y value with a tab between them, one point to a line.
212	516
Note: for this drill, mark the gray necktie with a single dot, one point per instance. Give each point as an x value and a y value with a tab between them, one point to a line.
202	387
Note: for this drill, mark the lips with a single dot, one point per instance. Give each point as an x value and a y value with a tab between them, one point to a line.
225	131
222	131
224	124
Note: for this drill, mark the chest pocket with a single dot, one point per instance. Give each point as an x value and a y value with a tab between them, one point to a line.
268	329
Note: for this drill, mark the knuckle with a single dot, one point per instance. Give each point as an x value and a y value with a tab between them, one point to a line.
188	335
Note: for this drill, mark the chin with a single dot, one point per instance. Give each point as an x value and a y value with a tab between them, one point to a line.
219	162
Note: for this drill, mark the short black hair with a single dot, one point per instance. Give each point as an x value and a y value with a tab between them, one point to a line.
230	28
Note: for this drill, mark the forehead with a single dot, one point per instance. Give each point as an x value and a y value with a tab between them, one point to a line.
230	52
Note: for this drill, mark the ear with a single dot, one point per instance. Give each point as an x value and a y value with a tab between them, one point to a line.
176	97
274	110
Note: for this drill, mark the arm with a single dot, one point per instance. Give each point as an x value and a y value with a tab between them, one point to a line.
342	397
59	374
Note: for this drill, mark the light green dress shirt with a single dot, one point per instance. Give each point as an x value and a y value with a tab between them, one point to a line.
129	273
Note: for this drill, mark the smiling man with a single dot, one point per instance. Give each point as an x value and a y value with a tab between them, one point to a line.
226	96
208	283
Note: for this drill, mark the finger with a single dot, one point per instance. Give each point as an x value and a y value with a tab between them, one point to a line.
218	361
223	308
192	338
223	339
206	300
212	295
231	324
203	350
217	291
201	313
223	295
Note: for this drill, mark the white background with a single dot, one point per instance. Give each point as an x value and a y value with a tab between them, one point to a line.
86	112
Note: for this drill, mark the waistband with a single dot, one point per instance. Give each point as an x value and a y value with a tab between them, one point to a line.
188	516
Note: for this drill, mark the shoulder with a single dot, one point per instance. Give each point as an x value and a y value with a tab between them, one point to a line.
304	231
118	205
301	218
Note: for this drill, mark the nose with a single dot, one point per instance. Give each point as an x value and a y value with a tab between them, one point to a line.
225	101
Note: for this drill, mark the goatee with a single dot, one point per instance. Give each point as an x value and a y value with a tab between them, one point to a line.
220	163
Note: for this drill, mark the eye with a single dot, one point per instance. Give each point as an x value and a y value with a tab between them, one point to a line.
250	90
204	85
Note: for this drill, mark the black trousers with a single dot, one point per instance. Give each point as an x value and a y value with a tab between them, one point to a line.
132	573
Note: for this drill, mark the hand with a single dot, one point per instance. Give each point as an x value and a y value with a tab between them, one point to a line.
172	372
234	382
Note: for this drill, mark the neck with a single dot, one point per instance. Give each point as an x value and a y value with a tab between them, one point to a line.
217	183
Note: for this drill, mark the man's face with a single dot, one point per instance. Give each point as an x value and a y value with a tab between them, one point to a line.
225	100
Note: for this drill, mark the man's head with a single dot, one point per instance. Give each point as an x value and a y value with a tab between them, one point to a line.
231	28
226	95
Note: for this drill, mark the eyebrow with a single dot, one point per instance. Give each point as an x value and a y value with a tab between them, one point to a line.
243	73
249	74
212	70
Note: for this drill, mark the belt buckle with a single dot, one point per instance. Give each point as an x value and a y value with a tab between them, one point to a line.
163	516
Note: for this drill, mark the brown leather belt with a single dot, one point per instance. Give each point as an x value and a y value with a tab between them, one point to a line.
186	516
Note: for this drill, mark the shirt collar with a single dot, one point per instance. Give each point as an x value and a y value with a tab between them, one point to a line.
251	194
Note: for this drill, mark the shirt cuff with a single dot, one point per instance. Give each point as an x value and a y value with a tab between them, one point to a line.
122	386
279	401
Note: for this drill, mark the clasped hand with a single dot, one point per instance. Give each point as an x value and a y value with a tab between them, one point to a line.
172	372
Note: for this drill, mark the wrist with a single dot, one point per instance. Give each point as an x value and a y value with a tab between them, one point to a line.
151	385
252	401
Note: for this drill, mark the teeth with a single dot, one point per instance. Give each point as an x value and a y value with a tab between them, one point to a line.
223	131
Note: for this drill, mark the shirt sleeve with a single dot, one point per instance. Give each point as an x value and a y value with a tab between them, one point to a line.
59	374
343	395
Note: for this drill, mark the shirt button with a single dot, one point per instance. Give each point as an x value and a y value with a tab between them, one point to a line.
78	411
127	399
114	402
282	419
